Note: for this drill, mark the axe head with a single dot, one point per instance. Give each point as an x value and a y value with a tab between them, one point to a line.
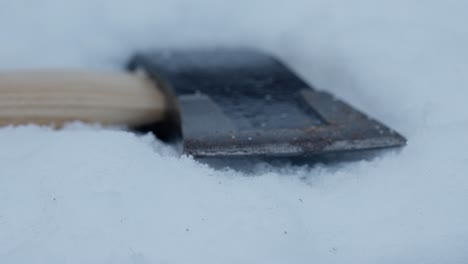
241	103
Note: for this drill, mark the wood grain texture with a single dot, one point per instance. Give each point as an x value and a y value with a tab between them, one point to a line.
57	97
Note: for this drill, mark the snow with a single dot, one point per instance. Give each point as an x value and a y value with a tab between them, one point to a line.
87	194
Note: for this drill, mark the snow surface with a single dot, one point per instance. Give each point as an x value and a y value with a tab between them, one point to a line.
93	195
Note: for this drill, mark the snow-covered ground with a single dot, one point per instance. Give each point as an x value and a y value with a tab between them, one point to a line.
91	195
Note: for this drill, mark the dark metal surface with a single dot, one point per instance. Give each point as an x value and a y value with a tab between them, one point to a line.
243	103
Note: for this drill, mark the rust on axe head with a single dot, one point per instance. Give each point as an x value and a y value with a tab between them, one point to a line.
246	103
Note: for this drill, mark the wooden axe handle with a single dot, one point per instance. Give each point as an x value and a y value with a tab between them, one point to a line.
57	97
